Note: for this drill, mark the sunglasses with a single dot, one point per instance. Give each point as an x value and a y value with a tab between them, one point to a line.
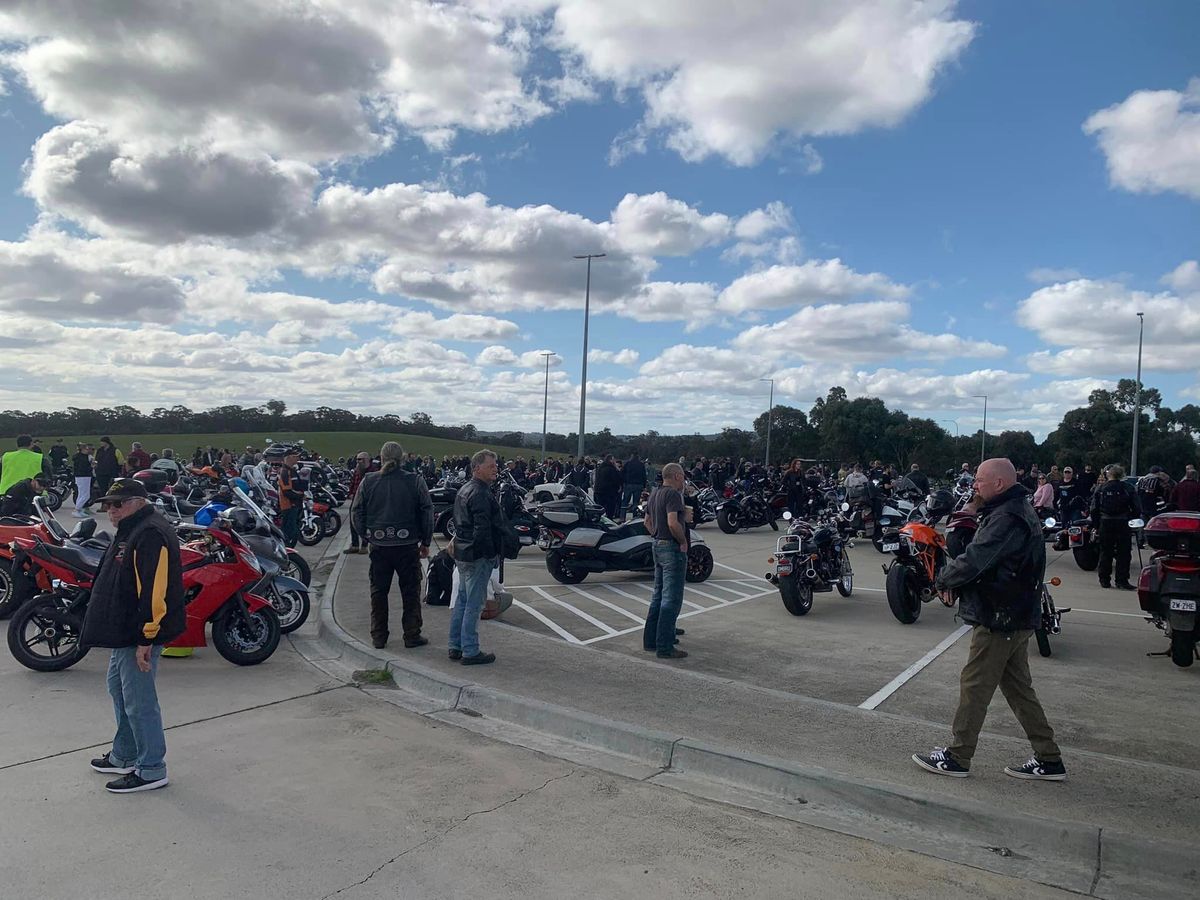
114	504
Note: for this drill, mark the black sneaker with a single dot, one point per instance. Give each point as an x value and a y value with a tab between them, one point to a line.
108	767
679	631
940	762
1125	586
378	642
417	641
132	783
1036	770
479	659
456	654
1105	584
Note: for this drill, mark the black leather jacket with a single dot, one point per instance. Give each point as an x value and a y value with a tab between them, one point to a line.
393	509
478	523
999	575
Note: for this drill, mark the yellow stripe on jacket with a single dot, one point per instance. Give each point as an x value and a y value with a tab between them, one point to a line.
158	594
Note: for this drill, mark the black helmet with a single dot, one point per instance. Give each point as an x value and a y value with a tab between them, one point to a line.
242	520
941	501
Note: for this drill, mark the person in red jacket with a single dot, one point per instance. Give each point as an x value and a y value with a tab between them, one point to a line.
1186	495
137	459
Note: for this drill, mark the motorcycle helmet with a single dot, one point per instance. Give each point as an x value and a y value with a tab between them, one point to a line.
242	520
242	484
208	513
153	480
940	502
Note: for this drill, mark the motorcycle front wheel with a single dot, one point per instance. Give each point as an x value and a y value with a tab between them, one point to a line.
903	598
845	584
797	598
728	520
44	638
699	564
561	571
312	532
6	587
292	607
54	498
1087	557
246	643
298	568
1043	641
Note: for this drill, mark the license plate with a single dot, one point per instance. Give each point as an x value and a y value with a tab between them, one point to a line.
1075	530
1183	605
891	548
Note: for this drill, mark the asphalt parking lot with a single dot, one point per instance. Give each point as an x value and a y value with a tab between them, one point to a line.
1100	689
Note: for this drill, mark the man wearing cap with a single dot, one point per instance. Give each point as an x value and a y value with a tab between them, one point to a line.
135	605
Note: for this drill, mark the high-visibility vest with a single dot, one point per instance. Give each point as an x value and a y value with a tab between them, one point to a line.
17	465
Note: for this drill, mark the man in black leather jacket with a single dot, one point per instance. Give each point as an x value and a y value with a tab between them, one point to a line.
999	577
478	543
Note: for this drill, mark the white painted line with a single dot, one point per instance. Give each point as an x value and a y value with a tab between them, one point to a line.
603	602
617	590
579	612
738	591
720	601
552	625
739	571
686	615
650	588
1105	612
898	682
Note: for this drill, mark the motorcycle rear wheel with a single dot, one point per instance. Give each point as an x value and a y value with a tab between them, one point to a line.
1087	557
333	523
311	535
728	521
845	584
54	498
699	564
560	571
797	598
33	648
1043	641
902	596
1183	648
246	644
6	588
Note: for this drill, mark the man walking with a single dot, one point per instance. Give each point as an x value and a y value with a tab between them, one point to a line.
665	522
394	515
999	576
1113	505
633	477
135	606
478	540
362	465
108	465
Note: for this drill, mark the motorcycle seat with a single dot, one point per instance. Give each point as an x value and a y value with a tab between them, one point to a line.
629	529
15	521
79	557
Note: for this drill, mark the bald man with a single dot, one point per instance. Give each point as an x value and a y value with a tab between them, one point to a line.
999	578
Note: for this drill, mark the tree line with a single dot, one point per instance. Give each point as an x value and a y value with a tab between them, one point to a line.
836	429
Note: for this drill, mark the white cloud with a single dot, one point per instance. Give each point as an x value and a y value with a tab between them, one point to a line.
729	79
657	225
625	357
814	281
1151	140
1184	278
498	355
759	223
457	327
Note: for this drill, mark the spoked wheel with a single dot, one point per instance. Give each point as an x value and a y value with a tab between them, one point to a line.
333	523
902	595
312	531
797	597
561	571
42	637
297	568
292	607
845	584
246	643
699	563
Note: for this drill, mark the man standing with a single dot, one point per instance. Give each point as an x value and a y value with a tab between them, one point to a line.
1065	494
665	522
919	478
634	482
478	540
1187	492
1087	480
999	576
394	515
59	454
22	464
1113	505
362	465
108	465
609	483
138	458
290	498
136	605
81	468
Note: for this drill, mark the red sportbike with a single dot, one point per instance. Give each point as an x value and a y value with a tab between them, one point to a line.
15	588
218	570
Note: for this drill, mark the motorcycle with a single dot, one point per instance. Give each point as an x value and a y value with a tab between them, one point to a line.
810	559
578	538
706	502
16	583
921	553
1051	622
218	571
1169	586
1081	536
759	505
289	596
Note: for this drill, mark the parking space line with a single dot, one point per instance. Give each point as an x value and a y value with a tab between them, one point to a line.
579	612
686	615
549	623
721	600
604	602
1105	612
899	681
617	590
739	571
738	591
650	588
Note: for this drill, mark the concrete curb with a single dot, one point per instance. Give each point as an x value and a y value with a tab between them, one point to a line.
1075	856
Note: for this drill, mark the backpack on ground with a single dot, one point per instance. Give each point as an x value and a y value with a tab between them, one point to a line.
439	579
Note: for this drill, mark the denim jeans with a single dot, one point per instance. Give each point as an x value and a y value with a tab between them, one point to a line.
473	580
670	566
140	741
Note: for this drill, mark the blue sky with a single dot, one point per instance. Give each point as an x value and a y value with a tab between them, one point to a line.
925	227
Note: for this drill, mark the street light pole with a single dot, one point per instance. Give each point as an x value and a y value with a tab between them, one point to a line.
545	401
587	305
983	434
1137	403
953	422
770	416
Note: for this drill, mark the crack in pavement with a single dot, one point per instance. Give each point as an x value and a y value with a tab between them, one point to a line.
442	834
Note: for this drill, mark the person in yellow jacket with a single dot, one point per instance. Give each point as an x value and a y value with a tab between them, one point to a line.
21	464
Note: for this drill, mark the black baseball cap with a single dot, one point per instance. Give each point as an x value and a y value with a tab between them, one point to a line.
123	489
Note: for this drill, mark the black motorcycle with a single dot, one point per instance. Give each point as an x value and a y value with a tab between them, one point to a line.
578	538
759	505
1051	622
811	558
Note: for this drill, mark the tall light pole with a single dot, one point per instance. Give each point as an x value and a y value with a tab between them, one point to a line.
545	401
953	422
770	416
983	434
587	306
1137	403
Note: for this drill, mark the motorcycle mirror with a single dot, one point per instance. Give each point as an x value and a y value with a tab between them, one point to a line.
1050	523
845	507
1055	581
1137	523
787	515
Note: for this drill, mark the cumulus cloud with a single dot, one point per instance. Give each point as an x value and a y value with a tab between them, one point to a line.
625	357
498	355
1184	278
1047	275
1151	140
816	280
657	225
730	79
457	327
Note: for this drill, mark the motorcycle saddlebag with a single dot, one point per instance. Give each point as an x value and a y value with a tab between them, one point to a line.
1177	531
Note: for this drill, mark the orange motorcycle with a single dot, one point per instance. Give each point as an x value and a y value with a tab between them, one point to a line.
921	552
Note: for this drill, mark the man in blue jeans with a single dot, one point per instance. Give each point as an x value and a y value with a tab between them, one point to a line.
666	522
136	606
478	542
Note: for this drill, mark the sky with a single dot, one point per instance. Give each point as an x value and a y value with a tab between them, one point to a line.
375	205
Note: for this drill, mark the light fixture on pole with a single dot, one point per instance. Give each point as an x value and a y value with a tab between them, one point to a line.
587	305
770	416
1137	403
983	434
953	422
545	401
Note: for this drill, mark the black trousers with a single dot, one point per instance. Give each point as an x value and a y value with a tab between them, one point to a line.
1114	545
404	563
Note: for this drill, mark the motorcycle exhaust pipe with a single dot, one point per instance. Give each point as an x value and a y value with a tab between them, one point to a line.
811	574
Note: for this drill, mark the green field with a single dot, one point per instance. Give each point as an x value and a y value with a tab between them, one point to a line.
327	443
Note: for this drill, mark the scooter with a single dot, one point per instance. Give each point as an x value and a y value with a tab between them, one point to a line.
1169	586
578	538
